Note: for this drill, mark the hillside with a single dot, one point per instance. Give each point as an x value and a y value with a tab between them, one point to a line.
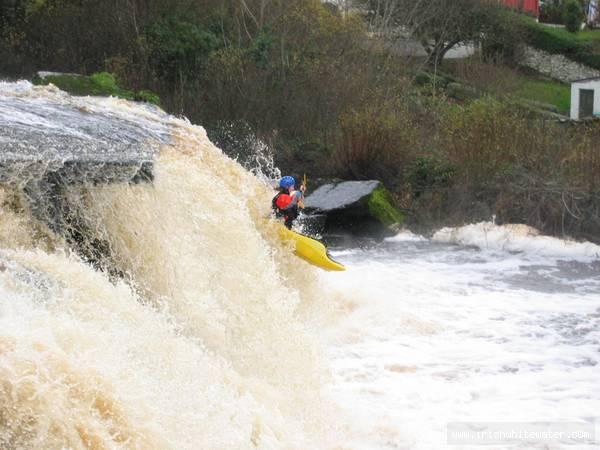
299	80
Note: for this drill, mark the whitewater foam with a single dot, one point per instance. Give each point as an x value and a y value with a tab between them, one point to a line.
406	236
517	238
207	339
430	332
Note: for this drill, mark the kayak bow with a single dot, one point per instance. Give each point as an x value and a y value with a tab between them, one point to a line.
311	250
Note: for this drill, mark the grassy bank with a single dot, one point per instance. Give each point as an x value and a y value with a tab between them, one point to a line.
583	47
545	91
97	84
509	82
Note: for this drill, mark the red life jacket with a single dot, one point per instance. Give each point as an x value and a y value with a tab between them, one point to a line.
282	201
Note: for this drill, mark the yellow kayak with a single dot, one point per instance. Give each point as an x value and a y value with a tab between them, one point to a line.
311	250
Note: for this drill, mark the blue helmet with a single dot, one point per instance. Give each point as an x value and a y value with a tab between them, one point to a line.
286	182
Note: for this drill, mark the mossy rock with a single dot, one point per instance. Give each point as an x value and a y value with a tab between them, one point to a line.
101	84
355	207
381	206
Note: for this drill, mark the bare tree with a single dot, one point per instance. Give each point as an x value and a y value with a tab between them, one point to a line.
439	25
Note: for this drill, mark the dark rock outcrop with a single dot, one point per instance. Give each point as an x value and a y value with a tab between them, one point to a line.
355	207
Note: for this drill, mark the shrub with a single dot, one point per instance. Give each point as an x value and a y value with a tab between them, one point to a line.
573	16
376	141
494	157
488	77
547	39
503	39
484	138
261	48
105	82
551	11
428	173
423	79
147	96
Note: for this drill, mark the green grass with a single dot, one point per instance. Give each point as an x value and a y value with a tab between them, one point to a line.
545	91
518	84
97	84
585	36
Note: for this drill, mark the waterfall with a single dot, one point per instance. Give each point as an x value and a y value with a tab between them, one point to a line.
153	314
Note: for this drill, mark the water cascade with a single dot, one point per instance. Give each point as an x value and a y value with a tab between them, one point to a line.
145	301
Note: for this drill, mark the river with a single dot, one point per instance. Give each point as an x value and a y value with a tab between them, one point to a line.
481	324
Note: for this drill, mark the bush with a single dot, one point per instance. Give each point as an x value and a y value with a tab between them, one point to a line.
423	79
147	96
524	169
503	39
573	16
552	11
376	142
485	138
547	39
428	173
489	77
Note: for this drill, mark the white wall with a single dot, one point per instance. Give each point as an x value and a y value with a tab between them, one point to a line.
591	84
593	11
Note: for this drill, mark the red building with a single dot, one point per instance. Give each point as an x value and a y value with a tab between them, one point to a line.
528	6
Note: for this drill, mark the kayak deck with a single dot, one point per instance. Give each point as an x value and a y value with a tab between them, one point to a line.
311	250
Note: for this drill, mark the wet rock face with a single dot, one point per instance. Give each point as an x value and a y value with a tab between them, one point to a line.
49	139
355	207
39	135
334	196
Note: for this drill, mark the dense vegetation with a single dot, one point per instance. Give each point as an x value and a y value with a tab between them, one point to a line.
305	79
583	47
571	13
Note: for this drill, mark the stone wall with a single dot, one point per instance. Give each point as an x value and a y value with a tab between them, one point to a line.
556	66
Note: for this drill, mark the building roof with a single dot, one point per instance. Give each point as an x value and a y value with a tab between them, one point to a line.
586	79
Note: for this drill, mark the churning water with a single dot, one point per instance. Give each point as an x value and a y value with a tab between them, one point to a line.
203	331
482	323
205	339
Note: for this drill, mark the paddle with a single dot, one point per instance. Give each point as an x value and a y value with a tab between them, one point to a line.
300	203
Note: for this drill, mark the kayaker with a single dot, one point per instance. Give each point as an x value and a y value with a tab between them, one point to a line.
288	201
